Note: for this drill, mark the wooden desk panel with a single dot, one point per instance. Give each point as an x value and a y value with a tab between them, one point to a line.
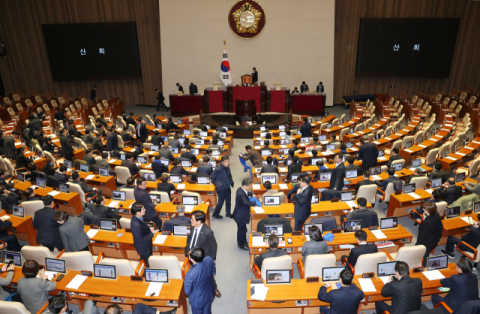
24	228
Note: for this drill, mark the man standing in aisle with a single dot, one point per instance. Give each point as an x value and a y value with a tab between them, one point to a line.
160	99
368	154
193	89
199	282
222	179
93	93
180	88
141	131
142	233
303	202
254	76
241	214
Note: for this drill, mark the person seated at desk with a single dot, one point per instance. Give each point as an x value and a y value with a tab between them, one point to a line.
394	155
450	191
208	154
156	139
165	185
88	138
295	91
61	175
463	286
101	211
126	135
159	168
391	179
368	217
88	157
205	168
255	158
472	187
59	305
102	120
434	197
97	143
366	181
7	280
88	190
406	292
165	152
138	150
268	136
343	149
180	219
221	128
196	134
49	146
178	169
306	128
269	167
215	145
316	245
175	143
130	183
5	183
30	194
72	131
130	119
268	186
23	162
345	300
8	198
103	163
362	248
288	135
188	154
330	194
351	166
304	87
333	139
314	156
472	238
321	169
417	173
294	167
130	164
139	308
272	252
10	239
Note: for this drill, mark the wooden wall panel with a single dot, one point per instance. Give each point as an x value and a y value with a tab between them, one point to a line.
465	70
27	67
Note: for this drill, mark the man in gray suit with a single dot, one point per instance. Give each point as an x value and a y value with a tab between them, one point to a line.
130	164
254	156
5	281
88	138
175	142
88	157
59	305
269	167
472	187
273	252
205	167
97	143
368	217
268	187
103	163
215	145
165	153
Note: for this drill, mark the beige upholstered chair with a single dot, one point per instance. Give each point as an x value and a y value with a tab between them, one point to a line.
30	207
314	265
125	222
37	253
128	192
79	261
274	263
369	192
170	263
14	307
123	267
367	263
412	255
123	173
420	182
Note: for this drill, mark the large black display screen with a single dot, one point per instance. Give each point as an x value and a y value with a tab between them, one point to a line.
93	51
406	47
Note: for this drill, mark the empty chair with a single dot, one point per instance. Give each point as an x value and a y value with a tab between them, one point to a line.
369	192
314	264
367	263
37	253
16	308
420	182
128	193
125	267
412	255
123	173
471	170
176	269
125	223
31	207
83	197
407	139
431	157
79	261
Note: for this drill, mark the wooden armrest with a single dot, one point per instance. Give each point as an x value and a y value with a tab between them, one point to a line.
44	307
383	193
256	271
414	219
28	172
445	306
89	199
301	268
2	245
60	254
140	268
100	257
468	245
388	255
349	265
185	267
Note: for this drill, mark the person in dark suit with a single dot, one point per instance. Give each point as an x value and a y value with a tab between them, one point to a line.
205	168
141	308
30	194
450	191
88	190
72	131
303	202
47	228
406	292
61	174
362	248
130	119
273	252
366	181
472	238
130	164
254	76
171	125
345	300
48	168
88	138
188	154
8	198
88	157
199	283
101	211
66	145
112	140
351	166
8	185
93	93
394	156
157	139
10	239
391	177
294	167
368	154
304	88
60	115
220	128
160	99
201	236
125	134
368	217
141	195
438	173
320	88
178	169
165	185
430	230
180	88
165	153
9	145
193	89
48	146
138	150
269	167
330	194
306	128
241	213
252	155
222	179
179	219
141	131
22	161
142	233
463	287
338	174
159	168
33	125
97	143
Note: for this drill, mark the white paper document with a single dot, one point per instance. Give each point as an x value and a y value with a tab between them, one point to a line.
379	234
283	169
408	151
260	292
367	285
384	279
387	138
160	239
33	187
382	158
193	169
414	195
475	142
257	147
347	246
283	186
5	217
256	186
50	274
353	149
113	204
433	274
351	204
112	161
92	232
258	241
189	208
90	177
465	219
154	289
375	177
461	154
429	191
76	282
53	193
258	210
180	186
451	158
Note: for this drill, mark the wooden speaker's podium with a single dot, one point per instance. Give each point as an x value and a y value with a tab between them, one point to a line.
247	79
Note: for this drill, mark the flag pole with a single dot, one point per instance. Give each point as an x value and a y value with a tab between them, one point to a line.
224	44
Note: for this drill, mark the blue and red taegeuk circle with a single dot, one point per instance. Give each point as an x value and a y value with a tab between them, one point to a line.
225	66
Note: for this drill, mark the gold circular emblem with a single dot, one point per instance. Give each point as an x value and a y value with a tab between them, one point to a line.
247	19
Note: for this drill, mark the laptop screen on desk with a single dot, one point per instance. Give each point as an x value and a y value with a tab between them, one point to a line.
386	269
186	163
387	223
15	257
166	162
409	144
104	271
119	196
215	152
195	151
20	177
325	176
408	188
476	207
349	144
271	200
176	179
190	200
322	137
272	179
212	163
41	182
452	212
278	276
18	211
174	150
306	226
437	262
203	180
397	166
108	224
331	273
68	163
204	133
315	199
352	225
331	147
55	265
142	160
181	230
381	153
436	183
156	275
346	196
416	163
459	177
273	229
123	156
350	174
103	172
84	168
154	148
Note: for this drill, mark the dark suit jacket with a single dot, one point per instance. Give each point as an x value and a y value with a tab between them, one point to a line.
354	167
5	184
241	213
131	121
361	183
141	308
338	175
320	88
205	240
392	159
304	88
368	217
159	168
157	140
97	144
439	174
166	187
451	194
430	232
138	151
293	168
306	130
360	250
269	169
47	228
131	166
143	132
330	194
182	220
142	236
171	125
463	288
9	200
49	170
405	293
126	137
166	153
205	169
88	139
142	196
179	170
33	125
219	180
102	211
193	89
112	141
89	159
303	203
342	301
472	237
287	227
255	76
62	177
93	94
189	156
383	184
9	147
59	115
67	147
272	253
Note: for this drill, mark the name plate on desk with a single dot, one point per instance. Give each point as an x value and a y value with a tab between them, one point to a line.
312	279
256	281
